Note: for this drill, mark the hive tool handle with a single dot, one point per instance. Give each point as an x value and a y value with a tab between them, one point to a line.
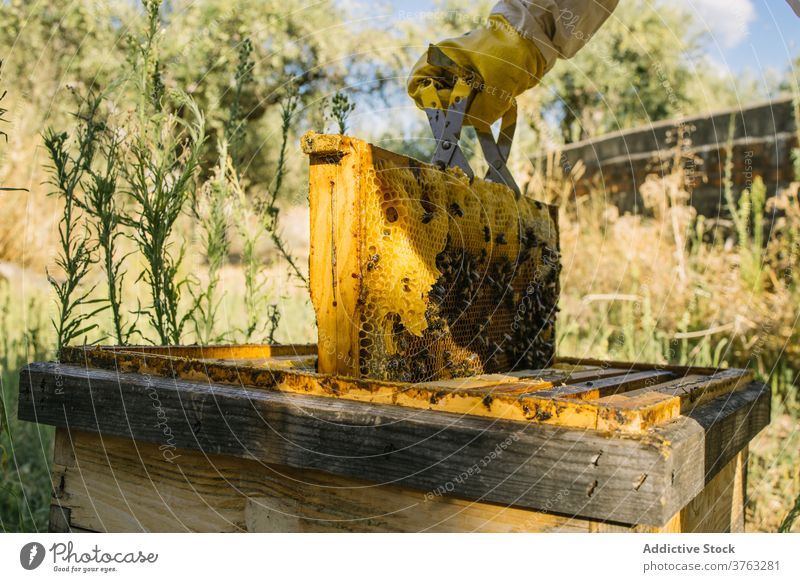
447	122
497	151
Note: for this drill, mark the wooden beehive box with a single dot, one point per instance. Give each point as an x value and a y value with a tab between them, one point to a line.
417	274
252	438
407	416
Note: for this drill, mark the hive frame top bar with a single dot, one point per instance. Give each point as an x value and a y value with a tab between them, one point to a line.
574	393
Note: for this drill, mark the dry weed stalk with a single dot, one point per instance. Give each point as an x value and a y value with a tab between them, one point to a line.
667	194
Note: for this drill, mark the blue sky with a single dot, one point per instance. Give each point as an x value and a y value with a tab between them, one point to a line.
745	34
773	37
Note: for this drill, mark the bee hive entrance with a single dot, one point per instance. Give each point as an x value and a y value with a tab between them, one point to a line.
418	275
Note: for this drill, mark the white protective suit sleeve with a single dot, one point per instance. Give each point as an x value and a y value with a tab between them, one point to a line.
559	28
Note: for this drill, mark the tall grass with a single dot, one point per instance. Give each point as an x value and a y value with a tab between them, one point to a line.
24	447
790	197
236	122
796	150
161	172
791	517
3	120
267	206
76	255
138	177
259	214
212	210
215	204
108	217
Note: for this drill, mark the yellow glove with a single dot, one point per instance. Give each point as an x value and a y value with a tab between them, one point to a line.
508	63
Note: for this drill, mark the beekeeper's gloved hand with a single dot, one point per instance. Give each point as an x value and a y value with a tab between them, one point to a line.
508	64
519	44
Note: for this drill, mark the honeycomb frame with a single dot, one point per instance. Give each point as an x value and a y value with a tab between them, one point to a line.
417	275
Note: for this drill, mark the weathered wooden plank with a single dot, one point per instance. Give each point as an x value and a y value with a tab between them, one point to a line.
720	507
710	436
541	382
227	352
593	389
675	368
732	424
123	487
527	465
61	521
126	486
692	389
